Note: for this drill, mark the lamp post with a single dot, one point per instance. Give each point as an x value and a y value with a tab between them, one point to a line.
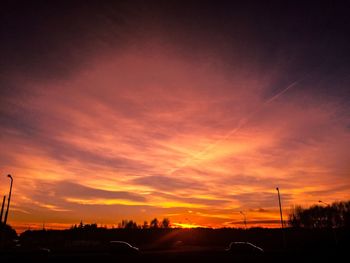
244	219
2	208
279	201
282	225
9	199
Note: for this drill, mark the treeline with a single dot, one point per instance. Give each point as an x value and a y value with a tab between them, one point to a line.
130	224
335	215
155	223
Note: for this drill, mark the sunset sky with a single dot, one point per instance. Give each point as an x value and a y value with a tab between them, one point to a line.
191	110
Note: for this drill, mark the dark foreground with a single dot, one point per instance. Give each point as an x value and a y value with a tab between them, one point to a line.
178	245
179	256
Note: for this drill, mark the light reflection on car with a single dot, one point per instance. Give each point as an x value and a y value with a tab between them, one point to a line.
122	247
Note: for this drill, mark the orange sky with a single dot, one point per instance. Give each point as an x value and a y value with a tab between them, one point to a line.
150	131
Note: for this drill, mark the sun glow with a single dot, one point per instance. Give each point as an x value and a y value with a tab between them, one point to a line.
188	225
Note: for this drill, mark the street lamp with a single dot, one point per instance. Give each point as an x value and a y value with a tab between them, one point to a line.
9	199
2	208
279	201
244	218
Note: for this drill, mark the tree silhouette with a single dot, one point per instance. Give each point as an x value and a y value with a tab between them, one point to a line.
165	223
154	223
7	233
295	217
127	224
145	225
335	215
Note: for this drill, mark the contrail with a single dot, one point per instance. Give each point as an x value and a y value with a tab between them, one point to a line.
241	124
282	92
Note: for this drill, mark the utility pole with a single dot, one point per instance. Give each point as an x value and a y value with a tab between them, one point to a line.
8	200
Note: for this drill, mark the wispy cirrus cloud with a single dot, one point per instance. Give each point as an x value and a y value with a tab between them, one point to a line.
197	124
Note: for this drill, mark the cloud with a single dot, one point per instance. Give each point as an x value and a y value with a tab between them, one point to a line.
260	199
210	202
257	222
56	196
68	189
166	183
34	130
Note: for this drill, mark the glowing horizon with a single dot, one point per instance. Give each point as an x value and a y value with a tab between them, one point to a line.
140	124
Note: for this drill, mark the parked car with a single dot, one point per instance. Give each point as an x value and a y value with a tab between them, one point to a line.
244	248
25	253
122	247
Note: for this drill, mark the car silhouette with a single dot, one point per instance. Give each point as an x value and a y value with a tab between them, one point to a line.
122	247
29	253
244	248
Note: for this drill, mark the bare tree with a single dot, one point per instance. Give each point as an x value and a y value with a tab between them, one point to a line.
335	215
